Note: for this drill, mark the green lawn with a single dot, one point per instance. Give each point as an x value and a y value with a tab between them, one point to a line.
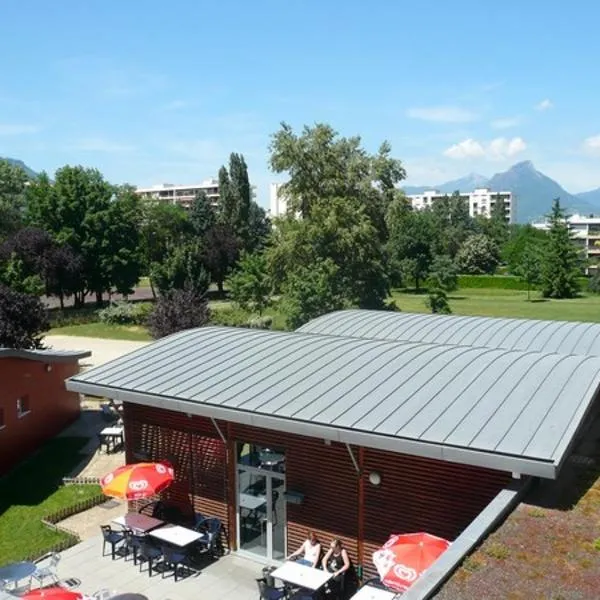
32	491
508	303
135	333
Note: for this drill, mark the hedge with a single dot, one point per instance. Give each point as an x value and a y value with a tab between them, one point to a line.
504	282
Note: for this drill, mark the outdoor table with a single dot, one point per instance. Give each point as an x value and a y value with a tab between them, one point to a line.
176	535
138	522
250	502
111	434
301	575
369	592
13	573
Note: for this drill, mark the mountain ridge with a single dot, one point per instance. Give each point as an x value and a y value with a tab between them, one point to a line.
19	163
533	191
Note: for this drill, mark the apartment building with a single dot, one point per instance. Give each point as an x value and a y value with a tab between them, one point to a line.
585	234
182	194
277	201
480	201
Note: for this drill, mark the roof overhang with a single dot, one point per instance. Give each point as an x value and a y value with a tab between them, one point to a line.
47	356
491	460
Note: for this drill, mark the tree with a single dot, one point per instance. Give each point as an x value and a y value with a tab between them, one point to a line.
202	214
15	276
443	274
177	310
437	301
519	238
478	254
182	268
259	228
560	257
63	269
451	223
163	226
323	166
13	181
222	249
311	292
339	230
250	284
23	319
529	268
594	282
411	240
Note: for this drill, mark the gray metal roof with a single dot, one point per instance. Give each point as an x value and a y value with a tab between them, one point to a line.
515	411
56	356
562	337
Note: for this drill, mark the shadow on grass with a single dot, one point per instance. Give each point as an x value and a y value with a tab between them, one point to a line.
537	300
457	297
39	476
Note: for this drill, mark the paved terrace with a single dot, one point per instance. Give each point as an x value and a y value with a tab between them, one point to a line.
230	577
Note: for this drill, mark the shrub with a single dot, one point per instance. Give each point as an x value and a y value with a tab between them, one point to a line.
178	310
125	313
261	322
229	317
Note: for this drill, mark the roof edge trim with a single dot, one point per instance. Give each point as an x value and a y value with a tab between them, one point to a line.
45	355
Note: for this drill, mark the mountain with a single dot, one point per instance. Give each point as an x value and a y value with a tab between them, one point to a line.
468	183
592	197
532	190
19	163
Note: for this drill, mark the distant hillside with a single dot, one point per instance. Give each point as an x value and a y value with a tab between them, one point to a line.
533	191
19	163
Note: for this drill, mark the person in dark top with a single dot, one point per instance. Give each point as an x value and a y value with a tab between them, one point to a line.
336	561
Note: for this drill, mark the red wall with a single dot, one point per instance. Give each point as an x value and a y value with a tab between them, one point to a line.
415	494
51	406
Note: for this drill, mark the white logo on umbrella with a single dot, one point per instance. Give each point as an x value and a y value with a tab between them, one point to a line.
404	572
108	479
138	486
161	469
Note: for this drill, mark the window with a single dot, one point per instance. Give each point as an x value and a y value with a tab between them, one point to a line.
23	406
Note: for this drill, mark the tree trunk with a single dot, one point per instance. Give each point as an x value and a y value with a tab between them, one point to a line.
152	288
98	298
61	298
220	288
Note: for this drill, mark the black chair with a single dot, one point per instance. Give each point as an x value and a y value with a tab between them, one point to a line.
133	544
173	558
111	537
210	542
267	592
149	553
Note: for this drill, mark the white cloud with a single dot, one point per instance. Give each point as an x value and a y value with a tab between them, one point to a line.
99	144
442	114
505	123
544	105
592	145
497	149
14	129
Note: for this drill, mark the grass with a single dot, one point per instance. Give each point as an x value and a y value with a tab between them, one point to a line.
508	303
134	333
33	491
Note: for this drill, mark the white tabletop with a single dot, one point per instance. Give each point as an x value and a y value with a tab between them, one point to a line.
252	502
306	577
175	534
112	431
368	592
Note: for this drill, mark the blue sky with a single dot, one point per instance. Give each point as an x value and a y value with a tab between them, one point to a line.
163	91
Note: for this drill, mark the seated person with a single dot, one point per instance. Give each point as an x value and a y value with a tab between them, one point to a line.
311	549
336	561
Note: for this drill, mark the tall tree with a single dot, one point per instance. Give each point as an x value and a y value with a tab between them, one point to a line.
529	267
221	251
182	268
63	270
452	224
477	255
322	166
519	239
250	284
202	214
23	320
259	228
561	261
13	181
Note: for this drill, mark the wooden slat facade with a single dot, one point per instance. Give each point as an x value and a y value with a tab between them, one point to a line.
415	494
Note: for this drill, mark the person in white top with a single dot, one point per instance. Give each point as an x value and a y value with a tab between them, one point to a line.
310	549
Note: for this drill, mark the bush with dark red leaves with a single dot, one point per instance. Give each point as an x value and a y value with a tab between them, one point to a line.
23	320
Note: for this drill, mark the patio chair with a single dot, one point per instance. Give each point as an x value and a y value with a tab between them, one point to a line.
267	592
132	545
149	553
102	594
49	570
173	558
210	541
113	538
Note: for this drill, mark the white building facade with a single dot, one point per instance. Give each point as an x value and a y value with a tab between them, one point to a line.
480	201
277	201
181	194
585	234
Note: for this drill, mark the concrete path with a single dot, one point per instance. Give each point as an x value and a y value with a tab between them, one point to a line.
102	350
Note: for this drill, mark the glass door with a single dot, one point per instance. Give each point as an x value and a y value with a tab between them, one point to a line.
261	501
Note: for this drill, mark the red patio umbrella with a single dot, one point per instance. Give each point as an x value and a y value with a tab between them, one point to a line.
136	481
404	558
52	593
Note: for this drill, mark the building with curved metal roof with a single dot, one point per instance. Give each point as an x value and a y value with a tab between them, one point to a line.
503	409
561	337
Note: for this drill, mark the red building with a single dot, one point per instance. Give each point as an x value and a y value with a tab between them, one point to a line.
34	402
278	433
